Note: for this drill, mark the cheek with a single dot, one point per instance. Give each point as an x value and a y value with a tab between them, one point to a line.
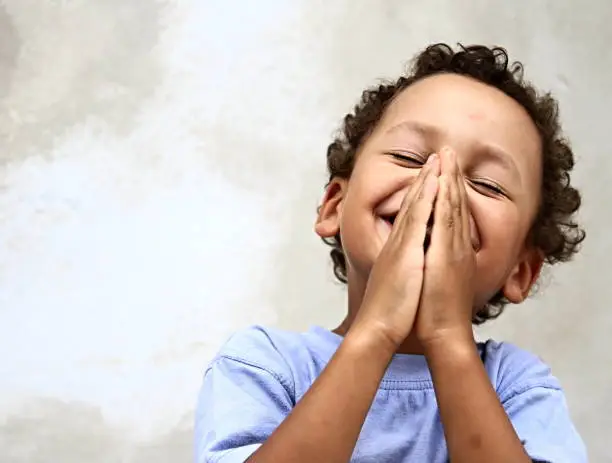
501	232
353	219
379	180
493	266
501	226
499	222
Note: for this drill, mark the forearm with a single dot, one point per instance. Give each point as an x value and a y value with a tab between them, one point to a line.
325	424
476	426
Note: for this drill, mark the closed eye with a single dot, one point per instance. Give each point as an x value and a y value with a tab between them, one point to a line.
490	188
408	159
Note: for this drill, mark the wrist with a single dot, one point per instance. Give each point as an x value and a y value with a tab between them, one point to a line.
459	342
368	339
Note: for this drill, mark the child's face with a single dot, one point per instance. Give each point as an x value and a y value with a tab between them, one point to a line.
498	150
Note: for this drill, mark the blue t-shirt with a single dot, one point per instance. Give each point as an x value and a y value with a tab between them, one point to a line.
260	374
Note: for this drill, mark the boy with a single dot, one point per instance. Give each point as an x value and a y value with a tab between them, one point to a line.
449	189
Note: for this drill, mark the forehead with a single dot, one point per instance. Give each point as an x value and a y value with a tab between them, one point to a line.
466	111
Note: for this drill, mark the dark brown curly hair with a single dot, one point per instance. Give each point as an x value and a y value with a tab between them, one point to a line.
554	231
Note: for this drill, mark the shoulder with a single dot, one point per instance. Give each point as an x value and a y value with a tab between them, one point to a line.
262	344
282	354
248	389
256	337
514	370
259	345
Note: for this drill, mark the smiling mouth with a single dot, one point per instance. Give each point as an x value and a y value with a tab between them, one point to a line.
390	219
428	230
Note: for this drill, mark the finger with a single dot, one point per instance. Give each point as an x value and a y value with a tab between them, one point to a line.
456	226
446	162
414	226
441	234
447	216
465	214
431	167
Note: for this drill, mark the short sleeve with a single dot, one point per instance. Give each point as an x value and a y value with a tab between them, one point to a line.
239	406
541	419
535	404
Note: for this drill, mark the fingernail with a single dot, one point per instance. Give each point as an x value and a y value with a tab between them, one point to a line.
432	157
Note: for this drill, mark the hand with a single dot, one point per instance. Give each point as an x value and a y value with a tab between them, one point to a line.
394	286
447	298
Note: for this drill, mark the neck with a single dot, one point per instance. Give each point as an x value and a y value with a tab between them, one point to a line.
356	289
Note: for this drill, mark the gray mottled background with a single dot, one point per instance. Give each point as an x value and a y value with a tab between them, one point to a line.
160	167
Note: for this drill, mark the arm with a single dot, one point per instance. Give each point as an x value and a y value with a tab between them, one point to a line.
476	426
246	408
325	424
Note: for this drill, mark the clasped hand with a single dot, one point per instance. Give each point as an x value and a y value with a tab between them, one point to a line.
426	290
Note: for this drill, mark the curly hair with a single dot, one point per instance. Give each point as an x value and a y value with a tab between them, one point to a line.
554	230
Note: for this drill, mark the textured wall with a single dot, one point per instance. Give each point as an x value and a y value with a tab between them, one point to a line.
160	166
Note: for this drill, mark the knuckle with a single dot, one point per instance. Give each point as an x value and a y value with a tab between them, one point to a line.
421	193
449	220
457	209
448	194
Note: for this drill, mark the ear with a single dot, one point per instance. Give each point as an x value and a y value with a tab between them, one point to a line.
523	276
330	210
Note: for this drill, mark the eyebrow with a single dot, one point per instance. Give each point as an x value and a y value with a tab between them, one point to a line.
416	127
499	155
485	150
